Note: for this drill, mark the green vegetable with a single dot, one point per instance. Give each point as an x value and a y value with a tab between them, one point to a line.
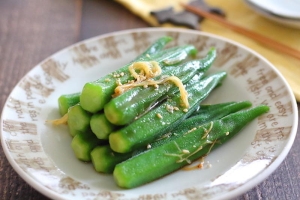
205	108
125	108
219	110
78	119
73	132
163	118
97	93
158	45
167	158
105	159
83	143
66	101
100	126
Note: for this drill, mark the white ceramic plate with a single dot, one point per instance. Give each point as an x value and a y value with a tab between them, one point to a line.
41	154
290	19
282	8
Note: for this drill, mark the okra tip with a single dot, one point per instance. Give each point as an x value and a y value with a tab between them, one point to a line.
119	178
113	114
118	143
62	105
193	52
166	39
212	49
97	157
263	108
91	98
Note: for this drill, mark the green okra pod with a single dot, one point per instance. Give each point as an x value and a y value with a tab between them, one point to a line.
66	101
126	107
83	143
164	117
164	159
158	45
219	110
205	114
78	119
100	126
205	108
97	93
105	159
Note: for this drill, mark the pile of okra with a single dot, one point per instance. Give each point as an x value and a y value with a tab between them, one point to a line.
146	119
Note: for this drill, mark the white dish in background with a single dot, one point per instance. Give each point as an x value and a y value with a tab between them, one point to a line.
293	22
282	8
42	156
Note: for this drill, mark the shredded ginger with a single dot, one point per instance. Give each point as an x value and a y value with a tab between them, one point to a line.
62	120
149	70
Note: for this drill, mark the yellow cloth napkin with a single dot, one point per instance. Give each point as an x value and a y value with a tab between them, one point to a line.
240	14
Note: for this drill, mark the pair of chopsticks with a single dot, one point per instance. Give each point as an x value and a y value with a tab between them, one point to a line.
255	36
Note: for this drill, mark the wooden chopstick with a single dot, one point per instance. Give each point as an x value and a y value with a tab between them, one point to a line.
258	37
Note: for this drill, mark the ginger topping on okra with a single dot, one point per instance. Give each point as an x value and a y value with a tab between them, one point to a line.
184	154
147	71
206	132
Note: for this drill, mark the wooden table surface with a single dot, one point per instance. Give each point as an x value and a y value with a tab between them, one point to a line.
32	30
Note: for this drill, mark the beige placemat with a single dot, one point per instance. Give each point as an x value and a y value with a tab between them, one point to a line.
239	13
